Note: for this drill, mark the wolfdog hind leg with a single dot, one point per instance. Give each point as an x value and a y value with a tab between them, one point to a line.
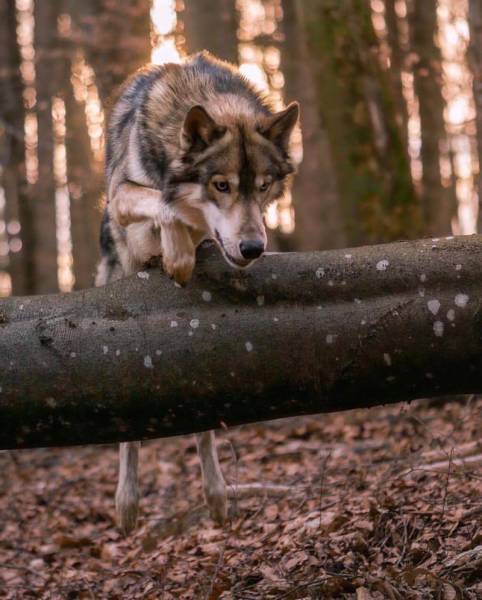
214	487
127	494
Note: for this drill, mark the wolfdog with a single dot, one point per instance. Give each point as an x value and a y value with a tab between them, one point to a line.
193	152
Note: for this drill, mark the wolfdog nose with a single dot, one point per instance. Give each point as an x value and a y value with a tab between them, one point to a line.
251	248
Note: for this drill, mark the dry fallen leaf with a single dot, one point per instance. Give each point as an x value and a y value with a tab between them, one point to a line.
363	594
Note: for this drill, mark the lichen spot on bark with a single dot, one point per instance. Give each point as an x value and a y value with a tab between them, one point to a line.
433	306
461	300
438	328
382	265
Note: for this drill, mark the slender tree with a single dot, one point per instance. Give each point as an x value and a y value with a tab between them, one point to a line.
49	74
398	60
439	201
475	61
115	39
357	107
211	25
12	142
319	221
85	186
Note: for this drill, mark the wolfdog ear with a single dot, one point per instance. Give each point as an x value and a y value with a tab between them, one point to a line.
199	129
278	127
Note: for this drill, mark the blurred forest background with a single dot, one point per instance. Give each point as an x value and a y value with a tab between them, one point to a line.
391	97
376	505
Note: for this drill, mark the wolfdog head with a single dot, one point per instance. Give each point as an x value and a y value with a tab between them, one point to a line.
230	170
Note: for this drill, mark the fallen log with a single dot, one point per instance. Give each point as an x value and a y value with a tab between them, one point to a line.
295	334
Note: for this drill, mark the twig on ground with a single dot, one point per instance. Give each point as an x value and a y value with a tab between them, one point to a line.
466	560
460	451
232	489
322	482
4	565
246	490
219	564
472	512
444	499
460	463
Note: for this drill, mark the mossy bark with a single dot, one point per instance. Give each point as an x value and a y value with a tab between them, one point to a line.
398	42
359	112
319	223
439	201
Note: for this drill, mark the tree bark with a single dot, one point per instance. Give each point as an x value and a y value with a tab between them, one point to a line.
358	110
115	37
439	202
319	222
211	25
475	62
86	183
398	57
49	73
295	334
12	150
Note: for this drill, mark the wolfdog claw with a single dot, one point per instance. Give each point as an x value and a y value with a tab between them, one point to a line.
179	269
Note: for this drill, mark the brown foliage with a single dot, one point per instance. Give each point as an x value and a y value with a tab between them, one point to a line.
386	529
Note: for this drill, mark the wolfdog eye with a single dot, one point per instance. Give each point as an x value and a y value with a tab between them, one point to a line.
264	186
222	186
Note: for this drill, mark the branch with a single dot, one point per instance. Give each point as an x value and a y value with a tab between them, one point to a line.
295	334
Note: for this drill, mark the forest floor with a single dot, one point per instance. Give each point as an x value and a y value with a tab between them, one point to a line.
380	503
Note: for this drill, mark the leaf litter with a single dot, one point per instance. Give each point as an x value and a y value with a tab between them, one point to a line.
375	504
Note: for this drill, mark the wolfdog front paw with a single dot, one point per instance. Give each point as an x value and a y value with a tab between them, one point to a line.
178	252
180	268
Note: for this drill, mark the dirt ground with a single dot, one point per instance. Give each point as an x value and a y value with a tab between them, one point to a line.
370	504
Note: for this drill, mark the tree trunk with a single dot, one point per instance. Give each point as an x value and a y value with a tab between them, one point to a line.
86	183
319	222
398	55
475	62
439	203
48	81
295	334
12	150
358	110
211	25
115	38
